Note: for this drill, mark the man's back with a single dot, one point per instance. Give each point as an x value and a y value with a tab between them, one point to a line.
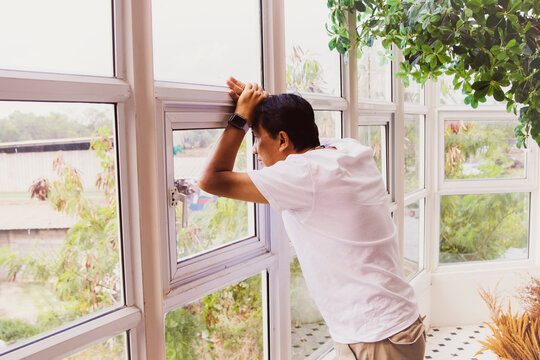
336	212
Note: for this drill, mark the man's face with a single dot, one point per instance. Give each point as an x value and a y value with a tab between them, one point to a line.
267	149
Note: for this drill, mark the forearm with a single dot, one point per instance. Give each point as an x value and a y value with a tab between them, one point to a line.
223	157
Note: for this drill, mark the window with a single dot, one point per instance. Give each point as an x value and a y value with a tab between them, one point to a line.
225	42
205	231
209	221
413	250
484	203
414	93
450	96
227	324
59	223
132	95
309	333
482	149
329	123
374	74
38	39
477	227
375	136
65	249
414	152
114	348
311	66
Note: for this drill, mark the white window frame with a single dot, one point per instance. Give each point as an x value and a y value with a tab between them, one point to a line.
443	187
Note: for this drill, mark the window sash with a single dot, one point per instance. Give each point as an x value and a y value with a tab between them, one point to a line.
73	339
460	186
202	115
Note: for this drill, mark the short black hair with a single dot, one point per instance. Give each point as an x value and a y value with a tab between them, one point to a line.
290	113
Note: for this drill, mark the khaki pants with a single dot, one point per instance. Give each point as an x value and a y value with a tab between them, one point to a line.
409	344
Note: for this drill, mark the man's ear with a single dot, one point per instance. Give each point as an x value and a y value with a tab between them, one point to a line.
284	141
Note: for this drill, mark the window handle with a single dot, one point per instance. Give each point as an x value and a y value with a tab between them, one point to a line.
174	199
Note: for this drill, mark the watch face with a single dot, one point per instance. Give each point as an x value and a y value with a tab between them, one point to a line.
237	121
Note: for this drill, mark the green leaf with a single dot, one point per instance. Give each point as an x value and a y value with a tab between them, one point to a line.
332	44
427	49
438	46
498	94
511	43
480	85
468	13
359	6
433	61
502	56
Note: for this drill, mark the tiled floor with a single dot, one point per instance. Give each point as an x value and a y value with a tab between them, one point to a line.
457	342
448	343
310	340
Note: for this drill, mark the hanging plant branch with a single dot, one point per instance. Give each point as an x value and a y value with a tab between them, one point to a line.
491	47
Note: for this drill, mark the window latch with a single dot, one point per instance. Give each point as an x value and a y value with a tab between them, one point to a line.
174	198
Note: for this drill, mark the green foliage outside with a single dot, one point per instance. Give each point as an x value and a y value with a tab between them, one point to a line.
304	74
412	153
218	223
480	227
85	273
224	325
490	47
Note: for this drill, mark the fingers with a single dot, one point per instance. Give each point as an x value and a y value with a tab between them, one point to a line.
234	95
235	85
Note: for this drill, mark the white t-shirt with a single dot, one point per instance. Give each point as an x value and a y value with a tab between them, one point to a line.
336	212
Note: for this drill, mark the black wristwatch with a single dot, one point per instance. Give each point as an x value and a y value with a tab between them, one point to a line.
239	122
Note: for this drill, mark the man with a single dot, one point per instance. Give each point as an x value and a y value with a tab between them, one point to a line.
335	210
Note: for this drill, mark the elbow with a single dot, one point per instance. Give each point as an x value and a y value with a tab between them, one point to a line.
204	183
207	183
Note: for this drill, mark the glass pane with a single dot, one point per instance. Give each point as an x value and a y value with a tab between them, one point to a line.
329	123
62	36
482	149
374	74
413	237
205	42
414	93
111	349
311	66
227	324
449	96
484	227
309	333
212	220
414	152
59	230
375	137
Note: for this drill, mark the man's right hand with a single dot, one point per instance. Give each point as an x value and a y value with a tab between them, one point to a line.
251	96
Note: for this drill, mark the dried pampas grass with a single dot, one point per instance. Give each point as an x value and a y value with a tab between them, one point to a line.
530	297
515	336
